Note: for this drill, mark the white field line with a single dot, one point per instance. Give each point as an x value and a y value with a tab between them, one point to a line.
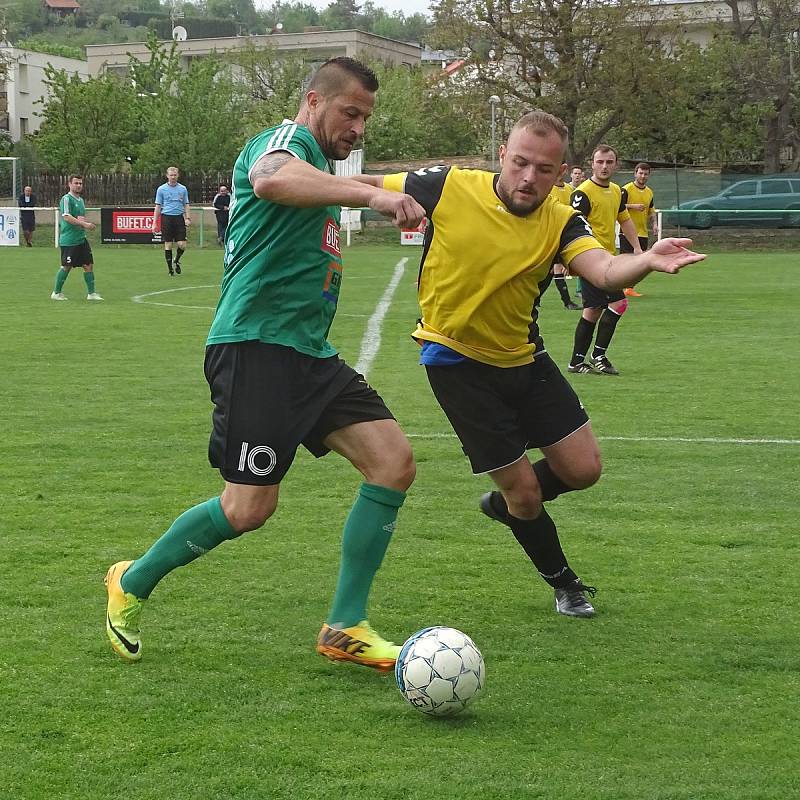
668	439
141	298
371	342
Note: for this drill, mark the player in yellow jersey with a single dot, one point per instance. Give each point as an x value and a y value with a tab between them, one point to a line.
602	202
577	177
488	251
563	193
641	207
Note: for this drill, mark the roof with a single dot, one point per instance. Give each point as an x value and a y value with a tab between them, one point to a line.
62	4
454	67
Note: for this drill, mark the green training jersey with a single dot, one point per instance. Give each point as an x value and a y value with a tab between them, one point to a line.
283	268
71	234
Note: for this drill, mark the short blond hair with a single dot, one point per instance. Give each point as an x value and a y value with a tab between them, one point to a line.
541	123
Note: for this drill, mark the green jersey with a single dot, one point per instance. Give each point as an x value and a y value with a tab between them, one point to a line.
283	268
71	234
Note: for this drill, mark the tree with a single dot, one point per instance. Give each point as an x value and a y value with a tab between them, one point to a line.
293	16
274	84
87	125
569	57
196	119
341	15
421	116
764	51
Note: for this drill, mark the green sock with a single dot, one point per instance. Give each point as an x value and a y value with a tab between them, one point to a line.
61	276
194	533
89	278
366	536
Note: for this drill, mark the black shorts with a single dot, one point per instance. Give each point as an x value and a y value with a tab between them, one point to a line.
499	413
173	228
76	255
598	298
269	399
28	221
625	245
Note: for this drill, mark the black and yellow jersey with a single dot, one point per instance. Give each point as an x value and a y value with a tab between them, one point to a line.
645	197
603	206
482	267
562	193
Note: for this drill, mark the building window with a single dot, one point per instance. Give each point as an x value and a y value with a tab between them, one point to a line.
23	78
23	126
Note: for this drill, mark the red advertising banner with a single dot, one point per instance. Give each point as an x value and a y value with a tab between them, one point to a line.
128	226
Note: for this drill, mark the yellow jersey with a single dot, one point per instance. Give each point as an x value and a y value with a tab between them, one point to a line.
562	193
484	268
645	197
603	207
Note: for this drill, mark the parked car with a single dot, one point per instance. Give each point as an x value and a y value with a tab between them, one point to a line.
746	203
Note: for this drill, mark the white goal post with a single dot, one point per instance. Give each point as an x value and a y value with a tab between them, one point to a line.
14	178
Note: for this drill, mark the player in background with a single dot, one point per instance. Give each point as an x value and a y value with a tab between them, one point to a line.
640	206
563	193
75	249
577	176
486	260
277	382
602	202
172	208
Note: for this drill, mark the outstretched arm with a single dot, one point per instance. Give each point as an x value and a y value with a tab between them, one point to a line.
616	272
282	178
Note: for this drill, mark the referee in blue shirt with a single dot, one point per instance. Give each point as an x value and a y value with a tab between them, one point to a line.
172	207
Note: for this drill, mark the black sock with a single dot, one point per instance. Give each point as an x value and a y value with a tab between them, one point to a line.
561	285
178	256
168	257
552	486
583	338
539	539
605	330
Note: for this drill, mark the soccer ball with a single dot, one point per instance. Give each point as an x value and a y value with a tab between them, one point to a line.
439	670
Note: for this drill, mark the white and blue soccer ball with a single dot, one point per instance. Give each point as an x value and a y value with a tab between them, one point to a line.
439	671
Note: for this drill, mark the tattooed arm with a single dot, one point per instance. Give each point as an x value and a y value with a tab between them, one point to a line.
281	178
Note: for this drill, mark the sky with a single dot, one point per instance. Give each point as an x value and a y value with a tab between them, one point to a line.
408	7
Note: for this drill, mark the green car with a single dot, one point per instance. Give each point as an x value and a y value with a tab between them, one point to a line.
767	202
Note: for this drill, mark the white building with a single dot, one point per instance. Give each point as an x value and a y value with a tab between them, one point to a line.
24	86
315	46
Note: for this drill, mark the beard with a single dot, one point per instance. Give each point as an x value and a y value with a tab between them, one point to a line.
518	208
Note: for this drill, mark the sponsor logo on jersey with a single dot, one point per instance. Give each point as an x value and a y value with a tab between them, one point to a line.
330	238
333	282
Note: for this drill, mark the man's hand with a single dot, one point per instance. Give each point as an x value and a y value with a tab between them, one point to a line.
404	210
672	255
635	206
89	226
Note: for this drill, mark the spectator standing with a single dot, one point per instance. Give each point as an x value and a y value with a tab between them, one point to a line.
222	204
27	217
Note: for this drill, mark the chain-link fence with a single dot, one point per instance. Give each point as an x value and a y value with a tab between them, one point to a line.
697	198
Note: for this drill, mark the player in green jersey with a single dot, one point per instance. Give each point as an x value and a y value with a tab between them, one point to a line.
276	381
75	250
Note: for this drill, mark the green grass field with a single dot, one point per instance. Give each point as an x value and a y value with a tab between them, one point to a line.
684	686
